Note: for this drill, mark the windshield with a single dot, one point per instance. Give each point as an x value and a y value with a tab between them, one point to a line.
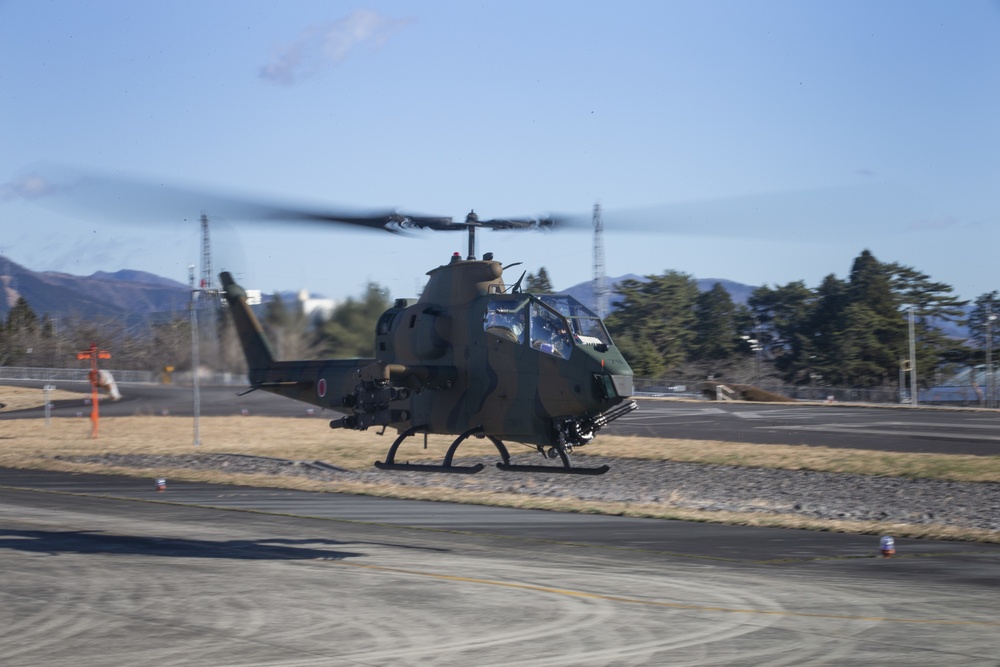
549	332
585	326
506	318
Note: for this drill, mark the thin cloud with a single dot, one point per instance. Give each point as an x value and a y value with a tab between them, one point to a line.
329	44
29	186
942	224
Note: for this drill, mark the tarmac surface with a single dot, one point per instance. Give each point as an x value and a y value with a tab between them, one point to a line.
893	429
104	570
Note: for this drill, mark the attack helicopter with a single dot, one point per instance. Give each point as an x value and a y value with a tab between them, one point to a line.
471	357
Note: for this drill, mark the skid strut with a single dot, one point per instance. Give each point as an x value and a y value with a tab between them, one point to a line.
505	464
446	466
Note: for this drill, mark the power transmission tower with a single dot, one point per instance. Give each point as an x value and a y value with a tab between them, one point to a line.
600	279
209	295
206	254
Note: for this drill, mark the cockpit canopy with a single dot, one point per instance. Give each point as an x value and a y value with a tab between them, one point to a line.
550	323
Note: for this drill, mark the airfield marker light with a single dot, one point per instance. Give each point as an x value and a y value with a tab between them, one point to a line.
887	546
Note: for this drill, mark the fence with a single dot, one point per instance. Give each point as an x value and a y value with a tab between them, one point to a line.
26	373
941	395
884	395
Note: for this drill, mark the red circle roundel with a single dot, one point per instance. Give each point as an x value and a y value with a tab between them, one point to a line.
321	387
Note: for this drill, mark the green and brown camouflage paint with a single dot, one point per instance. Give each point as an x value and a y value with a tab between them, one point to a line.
438	364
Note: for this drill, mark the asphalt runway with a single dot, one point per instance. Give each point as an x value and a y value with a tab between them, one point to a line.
101	570
891	429
177	400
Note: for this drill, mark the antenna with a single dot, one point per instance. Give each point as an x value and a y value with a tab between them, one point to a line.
206	254
209	295
600	279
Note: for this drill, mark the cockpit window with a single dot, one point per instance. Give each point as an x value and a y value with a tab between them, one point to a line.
549	331
506	318
585	326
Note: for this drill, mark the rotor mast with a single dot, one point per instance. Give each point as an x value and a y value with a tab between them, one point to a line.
471	222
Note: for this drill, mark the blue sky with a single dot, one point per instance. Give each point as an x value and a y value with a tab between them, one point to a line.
775	139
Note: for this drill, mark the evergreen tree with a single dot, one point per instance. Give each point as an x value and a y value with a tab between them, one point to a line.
869	290
20	333
288	329
932	303
863	359
980	324
819	358
653	323
22	318
716	337
539	284
782	314
930	299
350	329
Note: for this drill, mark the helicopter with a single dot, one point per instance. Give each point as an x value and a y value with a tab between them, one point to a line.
471	357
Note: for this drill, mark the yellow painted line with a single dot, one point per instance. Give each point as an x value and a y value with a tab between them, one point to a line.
660	603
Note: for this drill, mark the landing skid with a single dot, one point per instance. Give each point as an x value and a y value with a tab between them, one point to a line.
508	467
505	464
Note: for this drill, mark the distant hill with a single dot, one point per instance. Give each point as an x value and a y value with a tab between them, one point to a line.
126	294
584	292
131	276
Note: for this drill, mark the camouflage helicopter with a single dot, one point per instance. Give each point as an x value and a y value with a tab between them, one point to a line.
470	357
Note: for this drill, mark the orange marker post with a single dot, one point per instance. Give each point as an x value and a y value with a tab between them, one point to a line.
93	354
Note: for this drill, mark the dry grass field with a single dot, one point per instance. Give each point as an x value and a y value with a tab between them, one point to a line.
29	443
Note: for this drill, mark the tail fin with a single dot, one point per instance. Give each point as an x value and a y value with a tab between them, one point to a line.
255	346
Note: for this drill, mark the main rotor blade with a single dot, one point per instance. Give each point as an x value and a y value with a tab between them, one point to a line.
133	201
809	215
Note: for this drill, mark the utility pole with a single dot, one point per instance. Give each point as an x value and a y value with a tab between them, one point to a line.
195	361
913	362
600	279
991	387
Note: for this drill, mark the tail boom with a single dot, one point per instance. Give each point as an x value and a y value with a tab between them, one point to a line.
322	382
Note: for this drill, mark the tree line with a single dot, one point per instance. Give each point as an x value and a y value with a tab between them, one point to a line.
851	332
157	344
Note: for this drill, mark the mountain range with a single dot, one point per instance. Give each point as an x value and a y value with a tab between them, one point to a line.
137	295
584	292
124	294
